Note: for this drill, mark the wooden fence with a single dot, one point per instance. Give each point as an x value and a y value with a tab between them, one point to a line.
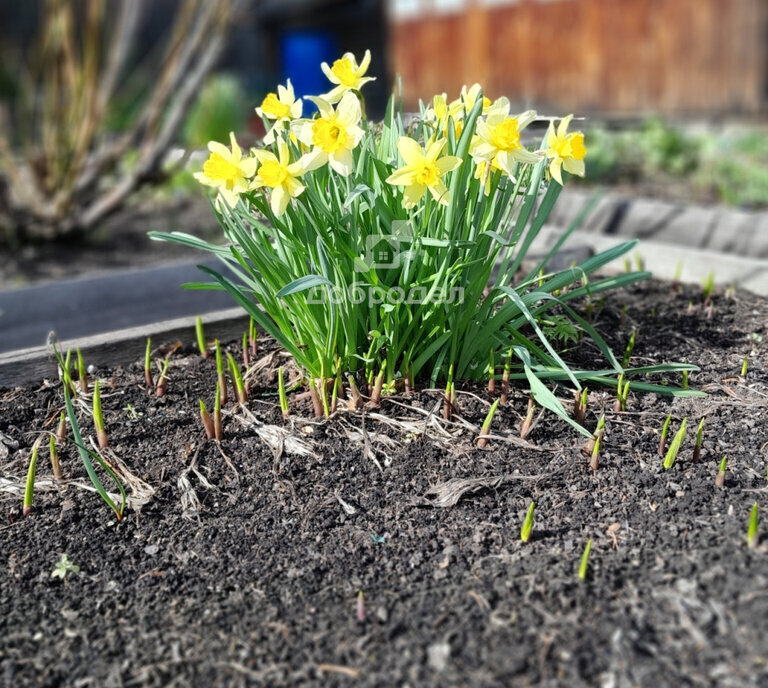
609	56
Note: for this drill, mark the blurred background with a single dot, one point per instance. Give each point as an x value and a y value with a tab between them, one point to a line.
103	104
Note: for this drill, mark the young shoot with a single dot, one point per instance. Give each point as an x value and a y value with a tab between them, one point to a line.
589	447
205	417
237	378
65	372
82	373
217	430
98	417
684	384
752	527
708	286
491	374
674	447
29	491
148	365
594	460
720	479
664	435
744	366
54	454
360	607
61	430
584	564
246	352
378	384
678	274
355	398
162	381
699	440
281	393
201	346
617	404
527	529
221	379
253	337
482	440
525	428
630	348
580	404
337	389
63	567
505	379
624	395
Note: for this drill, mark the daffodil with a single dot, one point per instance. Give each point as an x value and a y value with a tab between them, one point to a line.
423	170
347	75
333	135
498	138
438	114
278	173
469	96
566	150
227	170
483	171
281	107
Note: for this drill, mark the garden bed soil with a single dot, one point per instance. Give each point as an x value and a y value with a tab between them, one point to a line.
243	567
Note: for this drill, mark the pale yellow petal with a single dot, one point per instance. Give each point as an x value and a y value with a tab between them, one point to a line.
402	177
220	149
439	193
363	68
574	166
294	187
434	149
316	158
342	162
236	152
410	151
562	128
525	118
328	73
263	155
413	194
348	110
248	166
554	170
279	200
447	163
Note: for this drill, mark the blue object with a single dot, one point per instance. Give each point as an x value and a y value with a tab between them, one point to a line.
302	52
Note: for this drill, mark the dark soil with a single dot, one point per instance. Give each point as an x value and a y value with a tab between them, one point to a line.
244	566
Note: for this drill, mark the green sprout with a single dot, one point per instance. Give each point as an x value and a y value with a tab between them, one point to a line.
617	404
674	447
624	395
82	373
580	410
699	440
720	479
162	381
234	370
491	374
752	527
708	286
684	384
482	440
29	491
678	274
594	460
527	424
201	346
377	385
217	429
222	381
148	364
627	265
63	567
527	529
584	564
61	430
355	398
639	262
246	353
98	417
630	348
205	417
664	435
505	378
336	389
65	370
55	464
449	394
744	366
253	335
86	455
281	393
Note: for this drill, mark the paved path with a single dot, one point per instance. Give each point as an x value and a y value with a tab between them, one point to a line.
91	305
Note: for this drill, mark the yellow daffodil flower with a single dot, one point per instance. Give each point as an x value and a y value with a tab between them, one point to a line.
437	116
423	171
484	171
227	170
566	150
280	175
468	98
498	138
281	107
347	75
333	136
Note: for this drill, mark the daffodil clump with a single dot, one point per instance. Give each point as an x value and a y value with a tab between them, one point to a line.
398	250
